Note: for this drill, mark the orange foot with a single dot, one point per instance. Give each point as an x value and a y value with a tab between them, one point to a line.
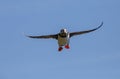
67	46
60	49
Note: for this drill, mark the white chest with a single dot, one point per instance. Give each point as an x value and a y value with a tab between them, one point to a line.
63	41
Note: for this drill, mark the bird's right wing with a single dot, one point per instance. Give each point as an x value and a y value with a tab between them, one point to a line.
54	36
86	31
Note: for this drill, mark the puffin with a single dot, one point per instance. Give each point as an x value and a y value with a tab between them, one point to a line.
63	37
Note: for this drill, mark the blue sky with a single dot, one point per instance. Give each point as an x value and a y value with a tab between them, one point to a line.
91	56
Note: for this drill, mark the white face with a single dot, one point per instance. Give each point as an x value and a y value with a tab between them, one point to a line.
63	31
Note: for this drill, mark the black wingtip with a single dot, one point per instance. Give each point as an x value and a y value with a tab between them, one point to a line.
27	35
30	36
100	25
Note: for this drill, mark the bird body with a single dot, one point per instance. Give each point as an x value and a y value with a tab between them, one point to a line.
63	37
63	40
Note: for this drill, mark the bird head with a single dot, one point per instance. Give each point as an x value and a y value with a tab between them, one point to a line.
63	31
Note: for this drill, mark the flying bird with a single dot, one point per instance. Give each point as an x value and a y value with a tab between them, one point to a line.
63	37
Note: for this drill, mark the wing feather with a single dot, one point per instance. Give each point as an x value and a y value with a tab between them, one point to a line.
83	32
45	36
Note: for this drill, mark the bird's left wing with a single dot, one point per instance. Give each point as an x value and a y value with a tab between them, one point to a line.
83	32
54	36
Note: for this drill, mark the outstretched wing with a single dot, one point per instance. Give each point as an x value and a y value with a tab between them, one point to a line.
83	32
55	36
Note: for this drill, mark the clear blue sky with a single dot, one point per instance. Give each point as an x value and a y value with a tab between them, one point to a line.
92	56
